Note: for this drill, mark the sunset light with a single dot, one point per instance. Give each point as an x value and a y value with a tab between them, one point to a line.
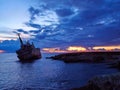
76	48
53	50
108	48
1	51
66	50
59	44
80	49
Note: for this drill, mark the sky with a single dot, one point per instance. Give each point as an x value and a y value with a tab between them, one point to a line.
59	23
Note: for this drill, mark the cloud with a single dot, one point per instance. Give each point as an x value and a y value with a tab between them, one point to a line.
22	31
37	26
10	45
33	12
63	12
35	31
75	22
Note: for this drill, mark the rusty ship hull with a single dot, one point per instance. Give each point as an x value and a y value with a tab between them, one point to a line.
28	51
26	55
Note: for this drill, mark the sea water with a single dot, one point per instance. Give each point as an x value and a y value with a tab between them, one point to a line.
46	74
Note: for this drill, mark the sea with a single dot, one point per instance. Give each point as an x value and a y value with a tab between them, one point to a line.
47	74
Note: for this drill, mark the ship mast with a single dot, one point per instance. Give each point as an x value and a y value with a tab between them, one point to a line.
20	40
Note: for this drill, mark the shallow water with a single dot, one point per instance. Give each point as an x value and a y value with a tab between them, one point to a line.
46	74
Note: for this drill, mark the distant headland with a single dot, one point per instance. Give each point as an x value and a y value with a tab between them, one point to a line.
101	56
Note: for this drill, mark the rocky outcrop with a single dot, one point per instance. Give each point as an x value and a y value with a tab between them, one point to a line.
104	82
87	57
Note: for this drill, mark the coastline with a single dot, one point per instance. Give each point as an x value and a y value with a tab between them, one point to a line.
102	82
87	57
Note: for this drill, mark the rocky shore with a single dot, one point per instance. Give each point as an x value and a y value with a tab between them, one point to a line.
87	57
104	82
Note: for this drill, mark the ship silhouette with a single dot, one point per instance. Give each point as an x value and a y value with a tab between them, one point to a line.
28	51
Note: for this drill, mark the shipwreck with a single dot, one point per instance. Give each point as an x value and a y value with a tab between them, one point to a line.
27	51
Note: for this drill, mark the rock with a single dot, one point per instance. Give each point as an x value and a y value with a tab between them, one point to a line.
94	57
104	82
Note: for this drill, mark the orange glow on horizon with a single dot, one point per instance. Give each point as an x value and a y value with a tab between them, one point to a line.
67	50
107	48
76	48
53	50
81	49
1	51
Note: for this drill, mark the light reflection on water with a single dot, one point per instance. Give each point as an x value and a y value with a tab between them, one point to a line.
46	74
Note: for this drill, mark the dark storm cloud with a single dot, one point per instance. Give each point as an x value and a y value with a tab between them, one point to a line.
81	22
